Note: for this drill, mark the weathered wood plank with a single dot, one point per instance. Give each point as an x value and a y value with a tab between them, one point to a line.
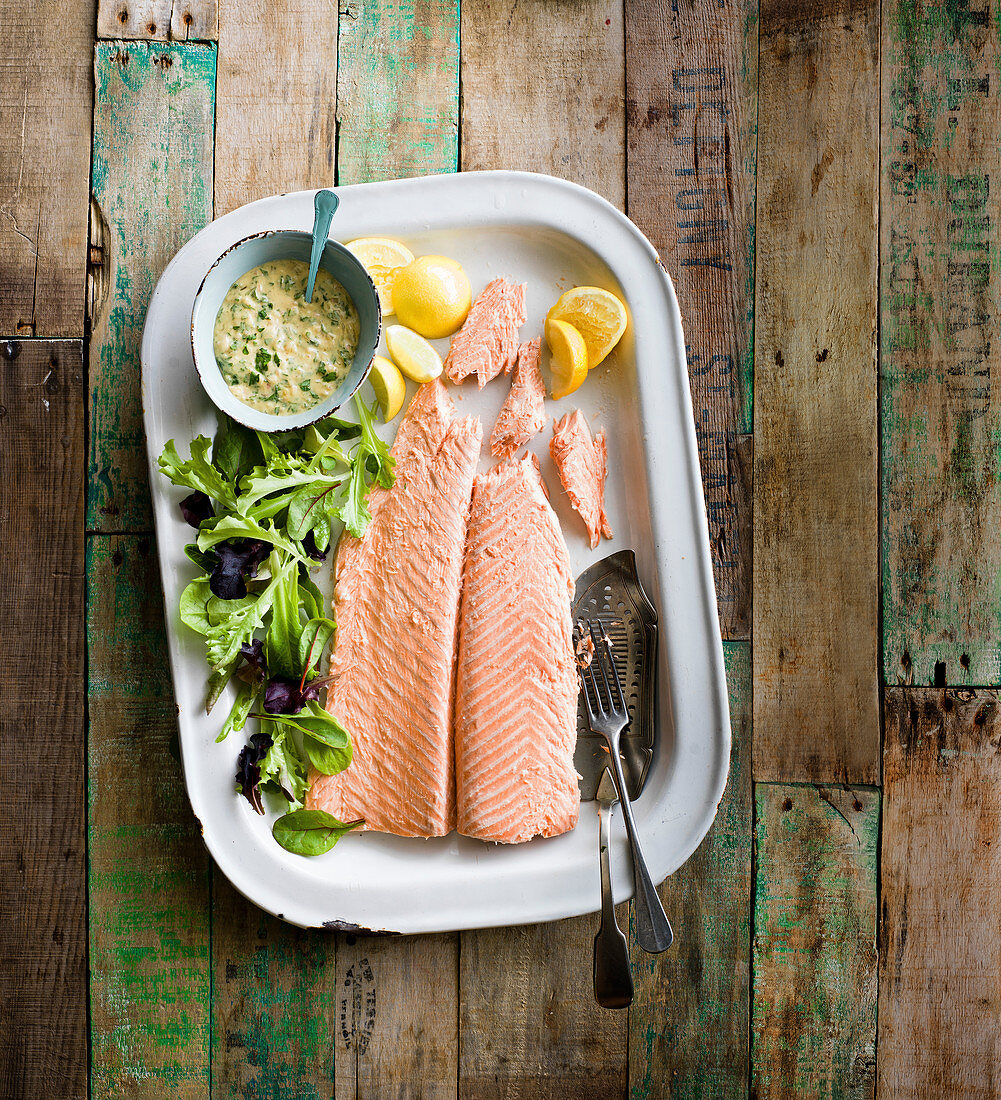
814	1001
43	889
689	1023
398	1029
397	111
152	190
273	1001
939	292
940	942
149	928
816	703
691	111
275	103
177	20
45	113
543	88
397	89
528	1022
275	99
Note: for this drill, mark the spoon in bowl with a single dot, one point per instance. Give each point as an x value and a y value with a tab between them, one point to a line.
324	204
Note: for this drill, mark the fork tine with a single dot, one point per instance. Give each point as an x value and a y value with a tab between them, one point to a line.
596	639
590	685
615	672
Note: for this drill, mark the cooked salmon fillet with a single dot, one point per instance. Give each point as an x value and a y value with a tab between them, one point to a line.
516	678
582	463
396	598
524	411
487	343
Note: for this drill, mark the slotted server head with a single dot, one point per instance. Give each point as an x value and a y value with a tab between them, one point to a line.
610	591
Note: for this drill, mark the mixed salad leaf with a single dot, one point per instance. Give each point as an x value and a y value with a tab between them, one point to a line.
266	508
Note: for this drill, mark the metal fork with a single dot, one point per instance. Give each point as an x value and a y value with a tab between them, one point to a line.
608	716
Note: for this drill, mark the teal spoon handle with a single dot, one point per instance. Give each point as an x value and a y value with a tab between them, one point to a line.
325	204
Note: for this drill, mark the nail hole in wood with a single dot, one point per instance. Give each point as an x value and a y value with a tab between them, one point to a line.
123	16
857	806
964	660
152	28
186	19
787	804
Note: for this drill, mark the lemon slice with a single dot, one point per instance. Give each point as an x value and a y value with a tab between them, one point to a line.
596	314
382	258
413	354
568	362
432	296
389	386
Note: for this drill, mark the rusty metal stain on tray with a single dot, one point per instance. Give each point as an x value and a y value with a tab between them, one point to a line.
610	590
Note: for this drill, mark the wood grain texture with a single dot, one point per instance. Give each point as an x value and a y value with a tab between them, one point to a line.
176	20
940	942
276	99
691	110
543	88
45	112
689	1022
397	89
398	1027
149	882
274	1005
939	292
816	703
43	964
528	1021
814	1001
152	190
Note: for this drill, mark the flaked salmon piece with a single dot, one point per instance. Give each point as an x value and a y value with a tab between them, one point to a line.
524	411
516	676
487	343
582	463
396	598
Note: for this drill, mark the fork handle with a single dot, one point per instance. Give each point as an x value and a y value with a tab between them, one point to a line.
653	929
613	978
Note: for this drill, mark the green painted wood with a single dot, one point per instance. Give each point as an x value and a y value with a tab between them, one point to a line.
148	870
274	1003
691	123
151	191
939	293
397	89
43	887
814	957
688	1025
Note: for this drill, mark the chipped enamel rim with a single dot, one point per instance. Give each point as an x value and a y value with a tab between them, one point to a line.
381	883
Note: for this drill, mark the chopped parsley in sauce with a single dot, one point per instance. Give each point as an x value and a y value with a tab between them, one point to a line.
277	352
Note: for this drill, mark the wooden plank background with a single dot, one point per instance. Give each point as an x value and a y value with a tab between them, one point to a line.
817	180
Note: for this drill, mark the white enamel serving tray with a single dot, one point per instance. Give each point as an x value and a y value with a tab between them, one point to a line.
551	235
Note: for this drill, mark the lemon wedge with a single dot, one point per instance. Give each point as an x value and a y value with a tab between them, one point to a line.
389	386
568	361
596	314
413	354
382	258
432	296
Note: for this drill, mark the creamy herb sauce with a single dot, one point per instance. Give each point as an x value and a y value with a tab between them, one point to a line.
277	352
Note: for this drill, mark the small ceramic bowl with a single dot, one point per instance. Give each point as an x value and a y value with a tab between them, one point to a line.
237	260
